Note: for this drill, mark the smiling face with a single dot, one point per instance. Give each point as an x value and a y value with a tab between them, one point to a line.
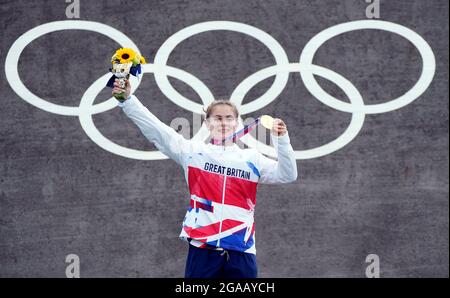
222	121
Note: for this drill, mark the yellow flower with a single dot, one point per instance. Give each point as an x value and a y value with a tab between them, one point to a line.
142	60
125	55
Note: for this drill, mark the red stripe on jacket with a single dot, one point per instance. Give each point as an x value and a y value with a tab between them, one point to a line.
212	229
238	192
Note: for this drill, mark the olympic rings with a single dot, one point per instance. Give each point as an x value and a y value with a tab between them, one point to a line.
281	72
428	68
12	61
162	56
349	89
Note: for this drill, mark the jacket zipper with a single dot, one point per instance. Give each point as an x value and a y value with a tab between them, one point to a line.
221	213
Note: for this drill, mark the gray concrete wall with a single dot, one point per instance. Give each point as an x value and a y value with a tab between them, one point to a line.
385	193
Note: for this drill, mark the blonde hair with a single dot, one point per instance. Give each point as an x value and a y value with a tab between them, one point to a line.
217	102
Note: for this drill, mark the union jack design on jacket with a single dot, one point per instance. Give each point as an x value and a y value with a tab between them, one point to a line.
222	181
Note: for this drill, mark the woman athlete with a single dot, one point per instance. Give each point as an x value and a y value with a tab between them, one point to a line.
222	179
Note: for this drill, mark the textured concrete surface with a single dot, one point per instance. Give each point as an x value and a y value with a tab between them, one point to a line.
385	193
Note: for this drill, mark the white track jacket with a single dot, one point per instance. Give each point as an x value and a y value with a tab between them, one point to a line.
222	181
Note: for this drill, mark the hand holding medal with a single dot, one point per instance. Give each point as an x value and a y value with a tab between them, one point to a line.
277	126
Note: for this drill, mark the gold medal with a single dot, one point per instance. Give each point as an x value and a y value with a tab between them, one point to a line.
267	121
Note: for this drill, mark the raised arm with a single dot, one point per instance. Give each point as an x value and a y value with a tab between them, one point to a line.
283	170
165	138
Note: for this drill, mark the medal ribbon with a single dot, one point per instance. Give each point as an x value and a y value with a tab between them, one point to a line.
238	134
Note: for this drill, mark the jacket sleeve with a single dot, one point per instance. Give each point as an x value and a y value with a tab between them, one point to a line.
283	170
165	138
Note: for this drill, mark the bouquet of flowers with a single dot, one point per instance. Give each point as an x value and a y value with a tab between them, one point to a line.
124	62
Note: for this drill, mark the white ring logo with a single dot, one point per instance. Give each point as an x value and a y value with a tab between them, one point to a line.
281	72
